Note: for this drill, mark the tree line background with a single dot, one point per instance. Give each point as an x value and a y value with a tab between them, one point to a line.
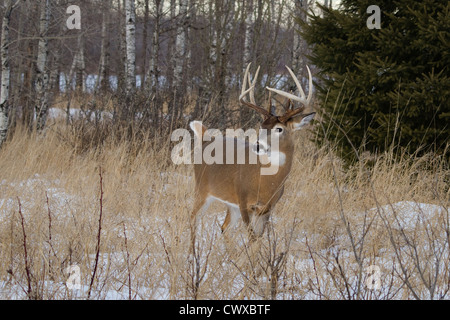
156	60
157	64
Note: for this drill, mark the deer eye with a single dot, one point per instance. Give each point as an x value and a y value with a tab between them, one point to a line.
279	130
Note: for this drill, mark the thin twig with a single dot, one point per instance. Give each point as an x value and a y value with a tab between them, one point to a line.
128	261
97	253
27	267
314	267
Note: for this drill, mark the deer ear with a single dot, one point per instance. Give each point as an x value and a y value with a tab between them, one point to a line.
298	122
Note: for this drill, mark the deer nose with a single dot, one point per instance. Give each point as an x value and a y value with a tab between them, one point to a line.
260	148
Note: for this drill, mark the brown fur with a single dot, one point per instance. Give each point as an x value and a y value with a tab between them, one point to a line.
243	184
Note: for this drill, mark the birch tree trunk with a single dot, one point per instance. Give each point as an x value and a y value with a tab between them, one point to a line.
77	68
41	67
299	45
6	71
69	78
213	38
248	34
222	20
171	46
226	39
27	99
130	40
181	45
144	78
153	70
121	65
259	38
245	113
19	97
80	66
103	81
55	72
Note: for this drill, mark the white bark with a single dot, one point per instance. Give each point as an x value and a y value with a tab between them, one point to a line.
122	48
171	44
227	23
104	53
74	69
6	71
130	40
69	77
214	35
144	78
153	70
78	68
42	76
181	54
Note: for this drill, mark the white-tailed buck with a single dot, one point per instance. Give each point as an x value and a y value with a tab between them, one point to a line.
241	186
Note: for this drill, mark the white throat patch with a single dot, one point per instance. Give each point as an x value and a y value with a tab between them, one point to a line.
277	158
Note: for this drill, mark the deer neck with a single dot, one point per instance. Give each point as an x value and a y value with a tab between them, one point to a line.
280	162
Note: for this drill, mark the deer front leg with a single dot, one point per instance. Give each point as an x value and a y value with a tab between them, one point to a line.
259	222
260	216
245	214
255	219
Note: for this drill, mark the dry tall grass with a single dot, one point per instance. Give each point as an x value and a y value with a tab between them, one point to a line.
332	225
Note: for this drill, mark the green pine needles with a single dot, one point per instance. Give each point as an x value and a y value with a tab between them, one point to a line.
382	89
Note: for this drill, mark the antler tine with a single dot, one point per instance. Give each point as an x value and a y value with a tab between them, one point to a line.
308	100
302	98
244	83
297	83
252	85
291	113
251	92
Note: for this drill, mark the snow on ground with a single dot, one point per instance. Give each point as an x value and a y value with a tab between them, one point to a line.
408	215
59	197
75	113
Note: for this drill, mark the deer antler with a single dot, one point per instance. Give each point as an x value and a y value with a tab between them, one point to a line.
251	92
302	98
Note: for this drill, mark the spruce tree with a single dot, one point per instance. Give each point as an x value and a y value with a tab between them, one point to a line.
384	87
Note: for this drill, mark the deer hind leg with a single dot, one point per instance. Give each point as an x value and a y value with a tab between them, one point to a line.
231	218
201	204
227	221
